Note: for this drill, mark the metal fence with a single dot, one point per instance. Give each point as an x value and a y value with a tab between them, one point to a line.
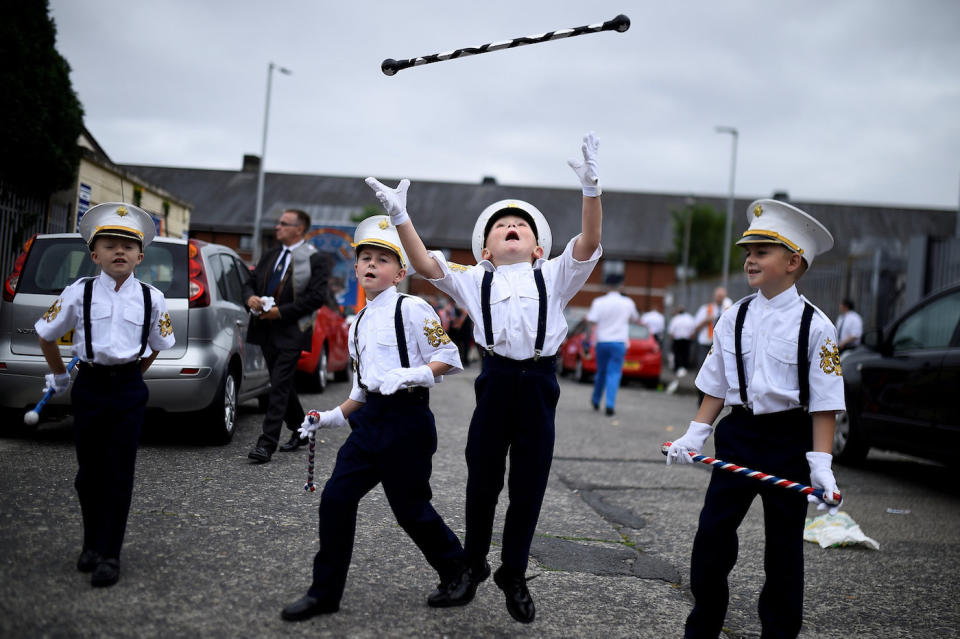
20	217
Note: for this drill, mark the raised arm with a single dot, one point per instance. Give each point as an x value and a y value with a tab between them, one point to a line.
394	202
592	215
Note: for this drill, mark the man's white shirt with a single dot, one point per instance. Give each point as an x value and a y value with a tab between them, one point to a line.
612	314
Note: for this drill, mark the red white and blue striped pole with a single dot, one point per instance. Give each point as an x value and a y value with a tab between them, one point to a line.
832	499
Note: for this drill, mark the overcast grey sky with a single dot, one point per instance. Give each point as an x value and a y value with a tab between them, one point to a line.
850	101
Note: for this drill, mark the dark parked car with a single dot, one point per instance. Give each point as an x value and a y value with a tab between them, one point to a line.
900	385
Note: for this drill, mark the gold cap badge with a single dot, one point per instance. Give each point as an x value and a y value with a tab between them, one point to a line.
383	224
758	210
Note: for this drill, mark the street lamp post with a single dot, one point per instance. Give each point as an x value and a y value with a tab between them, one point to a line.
686	245
725	267
263	157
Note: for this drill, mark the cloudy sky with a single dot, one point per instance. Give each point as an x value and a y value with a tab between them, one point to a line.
850	101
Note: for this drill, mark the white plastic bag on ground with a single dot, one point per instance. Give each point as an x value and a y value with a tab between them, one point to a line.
835	531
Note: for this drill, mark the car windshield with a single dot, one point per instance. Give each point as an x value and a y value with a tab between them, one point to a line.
639	331
56	262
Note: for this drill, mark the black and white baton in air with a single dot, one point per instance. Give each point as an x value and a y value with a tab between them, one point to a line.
32	417
833	499
621	23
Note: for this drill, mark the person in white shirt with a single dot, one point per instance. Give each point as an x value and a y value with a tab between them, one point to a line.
654	320
611	315
681	329
116	318
775	361
515	297
849	326
706	318
399	350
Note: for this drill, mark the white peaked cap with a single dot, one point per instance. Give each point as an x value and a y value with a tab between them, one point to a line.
781	223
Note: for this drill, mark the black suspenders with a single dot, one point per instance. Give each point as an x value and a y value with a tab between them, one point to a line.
541	314
88	301
803	362
401	339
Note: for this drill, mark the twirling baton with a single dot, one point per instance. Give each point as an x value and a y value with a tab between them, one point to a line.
833	499
32	417
313	417
620	24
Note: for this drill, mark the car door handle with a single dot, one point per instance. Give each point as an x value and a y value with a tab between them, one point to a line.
239	322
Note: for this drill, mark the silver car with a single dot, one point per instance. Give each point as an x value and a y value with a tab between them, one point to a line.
207	373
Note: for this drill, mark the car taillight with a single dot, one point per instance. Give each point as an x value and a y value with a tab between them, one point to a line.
199	293
10	286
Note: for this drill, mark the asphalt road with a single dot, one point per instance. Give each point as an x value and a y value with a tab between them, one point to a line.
216	546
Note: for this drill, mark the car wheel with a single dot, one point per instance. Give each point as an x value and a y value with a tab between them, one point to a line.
579	374
848	444
651	382
221	416
320	375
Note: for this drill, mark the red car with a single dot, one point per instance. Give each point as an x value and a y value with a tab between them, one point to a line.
642	361
329	355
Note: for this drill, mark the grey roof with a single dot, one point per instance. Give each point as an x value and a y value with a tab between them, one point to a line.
637	225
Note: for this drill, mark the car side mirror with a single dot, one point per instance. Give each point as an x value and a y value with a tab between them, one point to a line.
872	339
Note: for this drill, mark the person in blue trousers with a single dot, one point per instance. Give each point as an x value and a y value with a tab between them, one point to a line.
611	315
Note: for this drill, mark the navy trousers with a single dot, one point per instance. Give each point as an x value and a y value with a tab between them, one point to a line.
516	406
392	442
775	444
108	407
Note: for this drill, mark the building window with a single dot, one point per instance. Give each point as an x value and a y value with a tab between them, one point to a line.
246	243
612	271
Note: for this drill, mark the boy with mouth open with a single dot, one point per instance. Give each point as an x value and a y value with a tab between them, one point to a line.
515	296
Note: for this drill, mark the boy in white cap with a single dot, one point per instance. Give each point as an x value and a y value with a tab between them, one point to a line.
515	297
116	318
398	348
775	361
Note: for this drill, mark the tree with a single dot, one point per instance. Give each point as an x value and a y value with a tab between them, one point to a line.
706	238
41	117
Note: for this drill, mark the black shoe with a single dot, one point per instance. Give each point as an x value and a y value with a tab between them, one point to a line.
459	589
519	602
260	454
306	607
294	443
88	560
106	573
595	406
609	411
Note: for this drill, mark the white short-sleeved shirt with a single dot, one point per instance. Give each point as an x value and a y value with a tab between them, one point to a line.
682	326
654	321
769	342
514	300
612	314
116	320
426	340
710	310
850	324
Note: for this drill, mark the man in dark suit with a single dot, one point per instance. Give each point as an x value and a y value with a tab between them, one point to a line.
294	276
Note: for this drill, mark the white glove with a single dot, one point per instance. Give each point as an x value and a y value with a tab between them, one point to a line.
57	383
821	476
691	442
394	201
588	171
327	419
399	378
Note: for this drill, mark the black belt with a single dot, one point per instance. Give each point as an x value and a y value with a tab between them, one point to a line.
110	369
